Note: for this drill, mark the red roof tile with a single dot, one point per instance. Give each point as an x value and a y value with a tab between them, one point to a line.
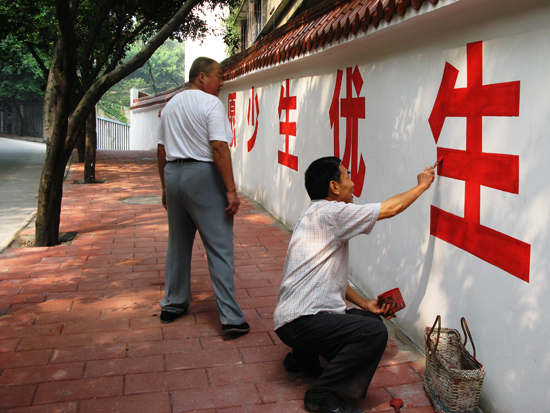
318	26
159	98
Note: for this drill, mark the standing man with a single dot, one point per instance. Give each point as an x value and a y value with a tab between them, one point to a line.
198	191
311	315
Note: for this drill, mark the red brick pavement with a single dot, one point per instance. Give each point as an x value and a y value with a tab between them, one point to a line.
80	330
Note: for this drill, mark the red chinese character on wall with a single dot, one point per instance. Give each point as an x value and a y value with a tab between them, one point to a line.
353	109
475	167
287	128
253	113
231	98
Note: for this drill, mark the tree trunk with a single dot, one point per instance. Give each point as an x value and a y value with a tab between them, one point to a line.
81	145
50	195
56	115
91	146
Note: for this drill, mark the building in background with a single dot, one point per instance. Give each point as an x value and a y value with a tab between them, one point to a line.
259	17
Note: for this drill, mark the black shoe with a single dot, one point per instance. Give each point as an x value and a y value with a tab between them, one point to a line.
322	400
167	317
236	328
297	365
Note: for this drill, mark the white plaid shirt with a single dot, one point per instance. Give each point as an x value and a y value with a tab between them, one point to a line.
315	274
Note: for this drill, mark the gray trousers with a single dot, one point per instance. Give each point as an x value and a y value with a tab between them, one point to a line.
196	199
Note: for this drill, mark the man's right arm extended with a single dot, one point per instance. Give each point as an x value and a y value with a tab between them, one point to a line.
398	203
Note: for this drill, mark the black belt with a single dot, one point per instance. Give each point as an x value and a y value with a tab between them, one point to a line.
184	160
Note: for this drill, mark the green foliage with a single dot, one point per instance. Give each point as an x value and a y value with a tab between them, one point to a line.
113	110
232	31
164	70
100	35
20	74
103	33
29	23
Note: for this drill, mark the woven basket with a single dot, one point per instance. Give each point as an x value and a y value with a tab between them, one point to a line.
453	377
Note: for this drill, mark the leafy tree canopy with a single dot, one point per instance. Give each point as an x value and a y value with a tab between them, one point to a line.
101	33
163	71
20	75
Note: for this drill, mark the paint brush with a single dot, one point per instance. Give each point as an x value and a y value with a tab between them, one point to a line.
438	161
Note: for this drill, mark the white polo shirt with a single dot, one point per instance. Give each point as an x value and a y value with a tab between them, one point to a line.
189	122
315	273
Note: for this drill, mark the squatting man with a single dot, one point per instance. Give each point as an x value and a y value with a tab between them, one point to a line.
311	315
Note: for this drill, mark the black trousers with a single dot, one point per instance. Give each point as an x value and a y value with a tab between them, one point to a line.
352	343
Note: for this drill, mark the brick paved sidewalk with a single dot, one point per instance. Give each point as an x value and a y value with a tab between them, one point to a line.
81	331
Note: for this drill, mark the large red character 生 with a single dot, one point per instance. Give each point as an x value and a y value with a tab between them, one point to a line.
475	167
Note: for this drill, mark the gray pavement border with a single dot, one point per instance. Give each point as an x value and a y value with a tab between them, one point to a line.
10	238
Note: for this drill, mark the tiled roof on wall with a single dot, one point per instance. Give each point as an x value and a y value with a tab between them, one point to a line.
313	29
316	27
159	98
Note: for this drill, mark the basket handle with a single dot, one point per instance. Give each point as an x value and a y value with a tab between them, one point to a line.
428	341
467	334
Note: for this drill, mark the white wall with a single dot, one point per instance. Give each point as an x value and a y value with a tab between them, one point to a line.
145	123
402	67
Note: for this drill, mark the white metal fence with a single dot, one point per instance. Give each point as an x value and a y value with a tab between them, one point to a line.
111	135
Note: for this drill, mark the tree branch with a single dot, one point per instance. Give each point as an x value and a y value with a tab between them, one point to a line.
66	26
109	79
85	59
151	76
73	5
99	64
39	61
122	45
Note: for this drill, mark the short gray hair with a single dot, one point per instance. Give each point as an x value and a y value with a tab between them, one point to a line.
201	64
